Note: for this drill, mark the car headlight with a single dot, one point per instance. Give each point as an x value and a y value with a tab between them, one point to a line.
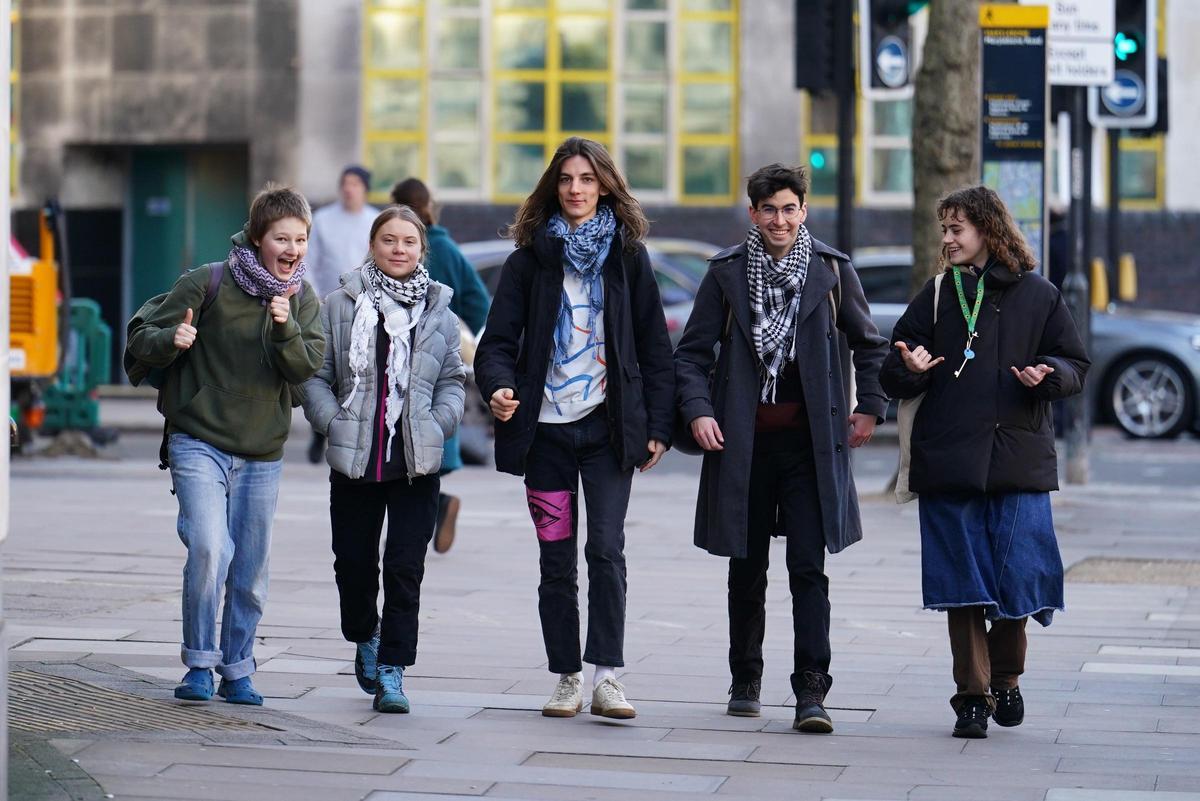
1196	341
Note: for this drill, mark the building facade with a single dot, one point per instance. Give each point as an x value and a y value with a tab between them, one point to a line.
155	121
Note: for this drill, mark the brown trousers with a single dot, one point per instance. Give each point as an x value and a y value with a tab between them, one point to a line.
984	658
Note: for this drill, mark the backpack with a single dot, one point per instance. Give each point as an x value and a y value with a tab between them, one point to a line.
139	372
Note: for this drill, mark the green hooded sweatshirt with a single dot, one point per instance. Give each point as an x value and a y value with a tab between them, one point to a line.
231	388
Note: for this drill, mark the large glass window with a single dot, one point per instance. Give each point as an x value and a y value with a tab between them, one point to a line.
477	95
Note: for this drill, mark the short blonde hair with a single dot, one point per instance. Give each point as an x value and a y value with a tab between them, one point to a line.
274	203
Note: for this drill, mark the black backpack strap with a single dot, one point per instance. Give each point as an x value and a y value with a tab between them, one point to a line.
215	274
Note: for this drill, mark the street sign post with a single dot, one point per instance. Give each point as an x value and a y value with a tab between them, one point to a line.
1013	152
1079	42
885	48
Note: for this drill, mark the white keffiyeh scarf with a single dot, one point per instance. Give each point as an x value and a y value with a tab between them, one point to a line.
775	289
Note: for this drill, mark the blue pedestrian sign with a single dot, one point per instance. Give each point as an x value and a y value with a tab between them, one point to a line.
891	62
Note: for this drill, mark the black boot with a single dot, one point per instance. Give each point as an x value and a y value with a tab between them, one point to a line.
1010	707
972	719
743	699
811	716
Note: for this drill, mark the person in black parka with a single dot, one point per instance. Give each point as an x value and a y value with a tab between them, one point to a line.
772	415
983	460
575	364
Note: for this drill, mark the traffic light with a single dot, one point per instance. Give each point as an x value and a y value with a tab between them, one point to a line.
885	45
814	45
1131	100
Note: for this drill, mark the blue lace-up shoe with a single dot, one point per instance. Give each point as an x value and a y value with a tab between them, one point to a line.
389	690
196	685
366	658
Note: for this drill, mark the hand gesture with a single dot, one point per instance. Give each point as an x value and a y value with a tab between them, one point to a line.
919	360
503	404
1032	376
281	307
708	434
656	450
862	426
185	333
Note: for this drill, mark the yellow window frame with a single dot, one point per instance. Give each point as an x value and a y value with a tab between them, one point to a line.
681	79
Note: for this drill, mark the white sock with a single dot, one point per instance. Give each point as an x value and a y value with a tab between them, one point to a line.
603	673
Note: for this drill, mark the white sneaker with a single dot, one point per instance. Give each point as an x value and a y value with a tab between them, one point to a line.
608	701
567	699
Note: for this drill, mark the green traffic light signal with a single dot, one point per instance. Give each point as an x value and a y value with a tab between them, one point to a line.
1124	46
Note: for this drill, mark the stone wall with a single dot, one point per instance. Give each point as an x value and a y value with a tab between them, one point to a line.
145	72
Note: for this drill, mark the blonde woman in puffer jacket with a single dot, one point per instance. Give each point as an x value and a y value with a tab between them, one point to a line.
388	395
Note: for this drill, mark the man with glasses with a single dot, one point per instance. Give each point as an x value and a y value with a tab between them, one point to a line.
774	422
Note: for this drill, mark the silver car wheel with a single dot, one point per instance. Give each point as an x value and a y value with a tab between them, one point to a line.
1149	398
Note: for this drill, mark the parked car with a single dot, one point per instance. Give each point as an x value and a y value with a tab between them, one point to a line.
679	265
1145	373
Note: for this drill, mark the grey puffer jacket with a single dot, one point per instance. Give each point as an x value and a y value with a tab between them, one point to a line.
434	405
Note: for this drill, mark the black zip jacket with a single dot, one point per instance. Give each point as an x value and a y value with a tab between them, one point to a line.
515	348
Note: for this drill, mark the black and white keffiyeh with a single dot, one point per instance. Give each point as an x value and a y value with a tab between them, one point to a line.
401	304
775	289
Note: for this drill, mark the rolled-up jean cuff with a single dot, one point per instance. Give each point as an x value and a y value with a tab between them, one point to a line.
199	659
237	670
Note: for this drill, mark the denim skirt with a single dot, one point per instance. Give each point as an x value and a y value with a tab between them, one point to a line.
995	550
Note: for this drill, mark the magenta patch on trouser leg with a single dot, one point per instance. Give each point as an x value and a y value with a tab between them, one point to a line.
551	513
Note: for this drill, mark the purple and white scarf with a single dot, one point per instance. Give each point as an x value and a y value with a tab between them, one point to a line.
255	280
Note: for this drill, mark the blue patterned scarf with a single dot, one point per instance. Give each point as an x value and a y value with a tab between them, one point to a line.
584	252
256	280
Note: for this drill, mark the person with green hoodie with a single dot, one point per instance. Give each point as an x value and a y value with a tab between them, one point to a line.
228	365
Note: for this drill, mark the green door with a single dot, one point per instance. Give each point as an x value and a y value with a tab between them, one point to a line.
184	205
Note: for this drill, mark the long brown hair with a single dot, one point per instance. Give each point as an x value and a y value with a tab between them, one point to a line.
543	201
984	209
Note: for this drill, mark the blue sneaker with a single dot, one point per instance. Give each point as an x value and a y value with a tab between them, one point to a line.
366	658
389	690
240	691
196	685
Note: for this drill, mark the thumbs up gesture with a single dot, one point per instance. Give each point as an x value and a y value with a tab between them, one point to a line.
185	332
281	306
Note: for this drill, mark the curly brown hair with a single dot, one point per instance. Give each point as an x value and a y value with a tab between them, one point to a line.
543	201
984	209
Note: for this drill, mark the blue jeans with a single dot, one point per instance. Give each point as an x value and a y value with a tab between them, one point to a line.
226	505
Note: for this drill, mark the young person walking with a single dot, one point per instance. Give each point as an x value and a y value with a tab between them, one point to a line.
228	365
388	395
773	420
575	363
447	265
1000	346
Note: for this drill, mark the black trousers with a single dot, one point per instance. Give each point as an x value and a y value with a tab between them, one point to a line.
356	512
562	455
783	499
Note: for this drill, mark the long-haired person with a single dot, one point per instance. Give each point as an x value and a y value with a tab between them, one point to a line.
983	461
389	394
575	363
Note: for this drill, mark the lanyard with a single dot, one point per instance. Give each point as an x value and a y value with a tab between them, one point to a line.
970	315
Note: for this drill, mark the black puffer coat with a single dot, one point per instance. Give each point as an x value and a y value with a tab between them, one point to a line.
985	431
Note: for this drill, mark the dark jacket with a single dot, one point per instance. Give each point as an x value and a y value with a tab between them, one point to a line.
231	388
722	509
985	431
514	351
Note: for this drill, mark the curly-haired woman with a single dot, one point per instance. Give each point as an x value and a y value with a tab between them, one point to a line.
1000	346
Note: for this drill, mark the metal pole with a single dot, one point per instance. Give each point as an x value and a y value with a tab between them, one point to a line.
844	87
1075	286
1114	208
